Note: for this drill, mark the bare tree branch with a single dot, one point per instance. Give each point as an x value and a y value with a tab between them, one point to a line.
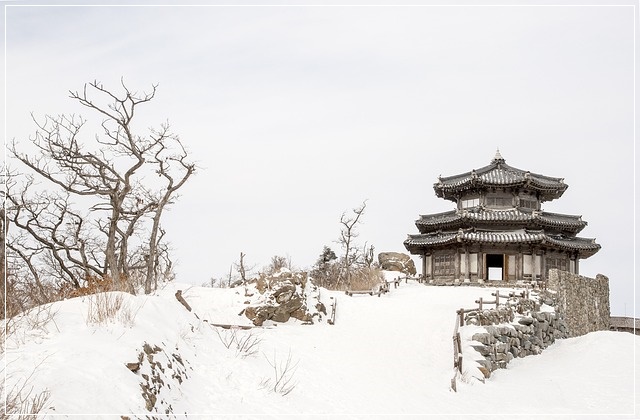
111	175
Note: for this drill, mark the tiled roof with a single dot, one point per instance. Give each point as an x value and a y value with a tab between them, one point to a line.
586	247
499	174
624	322
463	218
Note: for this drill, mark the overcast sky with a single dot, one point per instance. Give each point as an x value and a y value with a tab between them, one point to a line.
297	114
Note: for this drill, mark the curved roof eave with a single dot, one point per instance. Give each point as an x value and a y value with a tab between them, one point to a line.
499	174
455	218
586	247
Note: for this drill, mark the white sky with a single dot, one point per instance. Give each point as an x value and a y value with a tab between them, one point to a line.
296	114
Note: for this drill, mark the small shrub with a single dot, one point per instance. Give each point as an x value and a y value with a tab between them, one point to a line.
35	319
282	381
20	402
227	337
248	345
245	344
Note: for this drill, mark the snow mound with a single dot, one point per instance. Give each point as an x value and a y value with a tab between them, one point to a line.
388	355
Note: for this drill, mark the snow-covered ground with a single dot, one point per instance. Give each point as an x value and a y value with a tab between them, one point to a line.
389	355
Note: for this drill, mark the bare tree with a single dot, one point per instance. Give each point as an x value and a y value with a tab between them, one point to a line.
242	268
347	234
120	232
367	253
3	238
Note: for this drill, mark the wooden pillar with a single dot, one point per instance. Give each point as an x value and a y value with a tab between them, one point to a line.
480	265
505	267
424	266
457	264
431	264
543	266
577	269
571	263
467	263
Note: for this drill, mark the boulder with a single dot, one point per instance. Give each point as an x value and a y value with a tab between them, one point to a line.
525	320
397	261
485	372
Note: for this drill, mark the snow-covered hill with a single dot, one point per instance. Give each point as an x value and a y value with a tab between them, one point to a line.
388	355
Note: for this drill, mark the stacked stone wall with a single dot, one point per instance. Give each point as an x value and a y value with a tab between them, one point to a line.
530	335
522	328
582	301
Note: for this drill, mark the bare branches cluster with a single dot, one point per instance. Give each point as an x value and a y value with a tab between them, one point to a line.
348	233
355	267
91	206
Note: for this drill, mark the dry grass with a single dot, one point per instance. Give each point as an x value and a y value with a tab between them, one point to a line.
108	307
362	278
106	300
366	278
94	285
39	318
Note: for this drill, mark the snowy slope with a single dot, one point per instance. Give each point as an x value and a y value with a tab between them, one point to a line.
388	355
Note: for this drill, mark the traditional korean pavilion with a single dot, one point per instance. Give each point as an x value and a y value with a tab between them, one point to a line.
498	230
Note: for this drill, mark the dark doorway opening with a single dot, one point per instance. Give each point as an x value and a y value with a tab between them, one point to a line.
495	266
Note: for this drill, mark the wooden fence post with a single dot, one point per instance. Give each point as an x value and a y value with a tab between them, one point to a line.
459	344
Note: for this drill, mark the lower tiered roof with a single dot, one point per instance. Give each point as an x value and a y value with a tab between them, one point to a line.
585	247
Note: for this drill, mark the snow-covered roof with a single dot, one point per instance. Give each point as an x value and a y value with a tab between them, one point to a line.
513	216
417	244
499	174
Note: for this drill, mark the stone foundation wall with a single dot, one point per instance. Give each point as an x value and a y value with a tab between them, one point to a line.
582	301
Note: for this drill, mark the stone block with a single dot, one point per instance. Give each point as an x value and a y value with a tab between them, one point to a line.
484	338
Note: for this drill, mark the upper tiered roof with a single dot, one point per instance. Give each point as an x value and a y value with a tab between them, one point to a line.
499	175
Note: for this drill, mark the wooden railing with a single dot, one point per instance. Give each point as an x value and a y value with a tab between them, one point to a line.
457	343
457	348
384	287
480	301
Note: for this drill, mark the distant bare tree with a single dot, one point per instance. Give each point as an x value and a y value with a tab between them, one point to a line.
119	235
367	254
347	234
242	269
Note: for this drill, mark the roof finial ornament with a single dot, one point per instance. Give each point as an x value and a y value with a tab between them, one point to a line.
498	157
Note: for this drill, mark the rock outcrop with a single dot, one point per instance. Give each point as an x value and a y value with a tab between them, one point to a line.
282	296
397	261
